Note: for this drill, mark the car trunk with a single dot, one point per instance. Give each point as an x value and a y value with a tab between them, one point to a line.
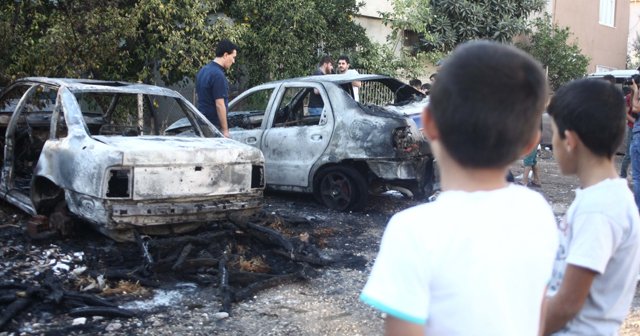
183	167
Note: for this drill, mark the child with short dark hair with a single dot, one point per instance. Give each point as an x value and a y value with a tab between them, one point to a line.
477	260
594	278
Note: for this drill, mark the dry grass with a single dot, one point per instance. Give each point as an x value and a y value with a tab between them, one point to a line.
255	264
124	287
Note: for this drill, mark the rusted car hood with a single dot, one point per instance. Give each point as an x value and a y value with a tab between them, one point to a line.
160	150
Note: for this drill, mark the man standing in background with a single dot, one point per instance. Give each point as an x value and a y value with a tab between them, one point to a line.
212	86
343	68
316	104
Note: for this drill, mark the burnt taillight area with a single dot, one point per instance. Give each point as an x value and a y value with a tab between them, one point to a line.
404	142
118	185
257	176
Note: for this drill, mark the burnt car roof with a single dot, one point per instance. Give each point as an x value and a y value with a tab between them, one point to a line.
79	84
391	82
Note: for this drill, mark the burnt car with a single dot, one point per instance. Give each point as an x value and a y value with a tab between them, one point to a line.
348	150
101	151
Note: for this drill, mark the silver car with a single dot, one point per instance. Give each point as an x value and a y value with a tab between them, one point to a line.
101	151
346	151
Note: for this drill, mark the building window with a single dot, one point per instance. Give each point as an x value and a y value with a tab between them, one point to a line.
607	12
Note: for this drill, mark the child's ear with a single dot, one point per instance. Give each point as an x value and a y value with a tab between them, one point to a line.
570	141
535	140
429	127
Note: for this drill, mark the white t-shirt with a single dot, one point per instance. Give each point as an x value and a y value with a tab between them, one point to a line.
601	232
470	263
355	88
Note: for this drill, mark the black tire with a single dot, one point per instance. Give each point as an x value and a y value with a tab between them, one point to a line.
341	188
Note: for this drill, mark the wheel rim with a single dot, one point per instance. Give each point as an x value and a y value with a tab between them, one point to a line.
336	191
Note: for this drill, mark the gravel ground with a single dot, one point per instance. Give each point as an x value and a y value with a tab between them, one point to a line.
323	305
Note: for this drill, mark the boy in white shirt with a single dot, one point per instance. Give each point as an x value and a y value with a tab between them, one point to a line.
477	260
594	278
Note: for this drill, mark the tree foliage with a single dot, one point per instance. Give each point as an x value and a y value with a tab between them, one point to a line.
448	23
549	44
633	58
170	40
117	39
285	38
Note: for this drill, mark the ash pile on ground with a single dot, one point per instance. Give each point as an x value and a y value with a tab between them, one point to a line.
204	282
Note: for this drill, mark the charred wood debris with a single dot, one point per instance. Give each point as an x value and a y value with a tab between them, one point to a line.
88	275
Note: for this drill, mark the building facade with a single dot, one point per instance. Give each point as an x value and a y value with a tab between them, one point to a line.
370	19
599	27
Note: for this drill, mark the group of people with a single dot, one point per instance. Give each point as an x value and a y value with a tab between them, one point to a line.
487	256
424	88
632	139
212	86
325	67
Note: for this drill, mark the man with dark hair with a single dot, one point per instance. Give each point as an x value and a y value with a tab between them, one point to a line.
416	83
212	86
477	260
426	88
316	104
344	68
595	274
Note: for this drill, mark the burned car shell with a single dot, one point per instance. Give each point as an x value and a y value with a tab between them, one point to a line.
350	144
156	184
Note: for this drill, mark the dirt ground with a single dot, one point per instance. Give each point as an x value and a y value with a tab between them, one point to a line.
326	304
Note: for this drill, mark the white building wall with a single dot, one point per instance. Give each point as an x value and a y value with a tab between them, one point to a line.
369	18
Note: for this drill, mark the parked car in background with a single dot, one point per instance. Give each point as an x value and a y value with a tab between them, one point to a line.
349	150
102	152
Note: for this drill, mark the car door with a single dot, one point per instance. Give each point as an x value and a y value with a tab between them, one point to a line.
26	133
295	138
11	103
249	113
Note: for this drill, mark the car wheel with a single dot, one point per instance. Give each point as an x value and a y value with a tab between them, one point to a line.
341	188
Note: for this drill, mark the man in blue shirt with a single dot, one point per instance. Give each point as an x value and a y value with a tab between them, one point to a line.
212	86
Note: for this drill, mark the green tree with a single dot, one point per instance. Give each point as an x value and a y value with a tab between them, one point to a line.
549	44
285	38
118	39
443	24
633	58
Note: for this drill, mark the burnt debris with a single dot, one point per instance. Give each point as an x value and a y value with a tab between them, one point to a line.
90	275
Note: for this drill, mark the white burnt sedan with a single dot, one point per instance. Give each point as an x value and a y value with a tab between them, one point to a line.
101	152
319	136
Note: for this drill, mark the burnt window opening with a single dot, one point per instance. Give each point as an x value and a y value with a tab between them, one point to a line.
118	183
257	177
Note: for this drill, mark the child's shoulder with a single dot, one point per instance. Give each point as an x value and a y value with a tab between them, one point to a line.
611	197
461	204
605	193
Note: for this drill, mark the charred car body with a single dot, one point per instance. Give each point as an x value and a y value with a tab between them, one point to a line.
102	151
348	150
